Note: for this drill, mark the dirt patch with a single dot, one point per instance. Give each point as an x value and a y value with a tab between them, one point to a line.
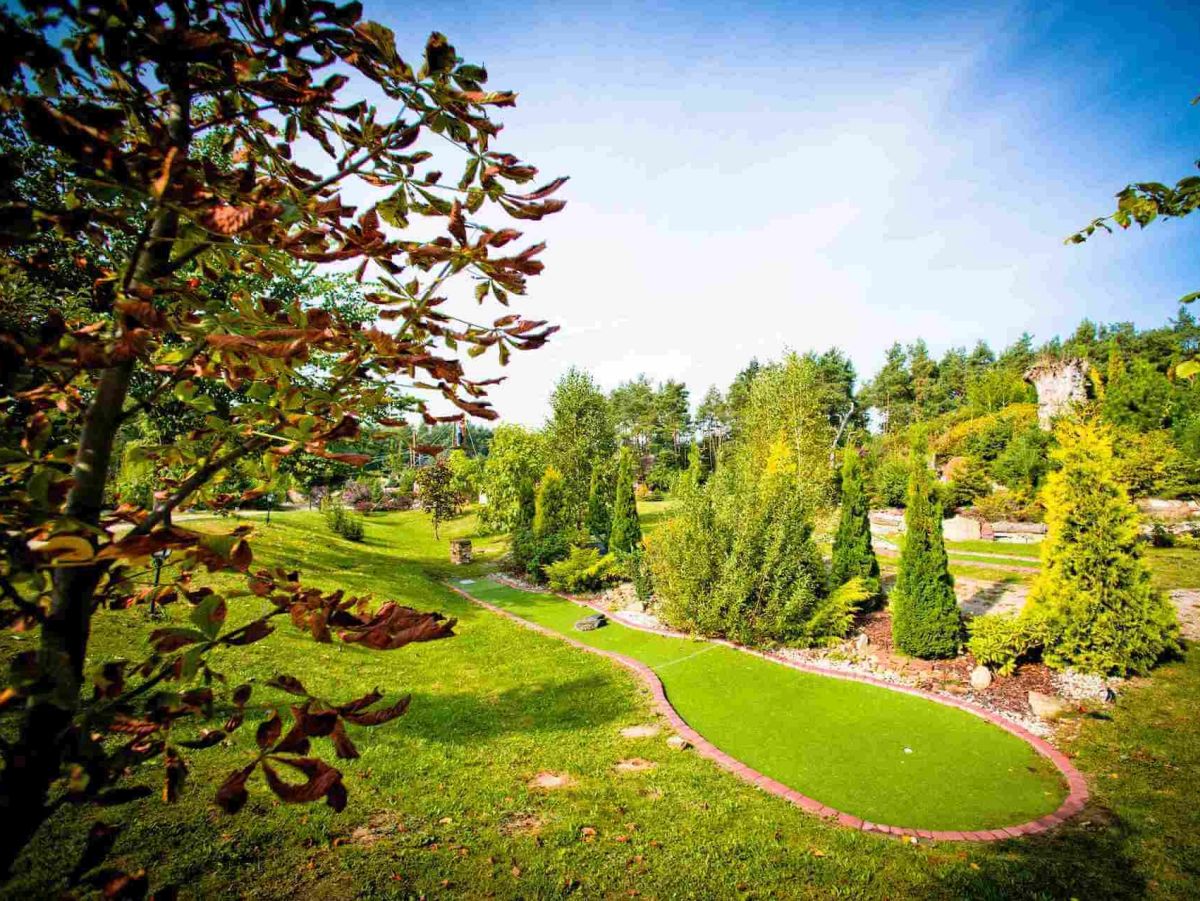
1187	602
523	823
647	731
379	827
548	781
634	765
954	676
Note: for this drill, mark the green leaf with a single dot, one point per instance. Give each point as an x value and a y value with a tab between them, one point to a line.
1187	369
209	615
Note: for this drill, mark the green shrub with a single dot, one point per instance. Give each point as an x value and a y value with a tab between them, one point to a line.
1104	615
626	528
599	508
584	569
637	570
1002	641
1010	506
891	483
925	617
341	520
853	554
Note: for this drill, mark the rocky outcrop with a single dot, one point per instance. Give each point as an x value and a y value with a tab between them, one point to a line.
1060	384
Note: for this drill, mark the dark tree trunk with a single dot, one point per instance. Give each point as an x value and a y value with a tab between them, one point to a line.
34	762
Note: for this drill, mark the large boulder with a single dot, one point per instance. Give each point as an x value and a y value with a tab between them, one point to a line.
1046	707
591	623
981	678
961	528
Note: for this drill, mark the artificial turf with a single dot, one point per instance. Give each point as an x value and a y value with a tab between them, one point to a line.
881	755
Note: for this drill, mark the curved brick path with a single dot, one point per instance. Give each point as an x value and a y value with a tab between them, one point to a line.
1072	805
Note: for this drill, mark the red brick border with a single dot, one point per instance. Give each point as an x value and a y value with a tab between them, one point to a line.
1073	804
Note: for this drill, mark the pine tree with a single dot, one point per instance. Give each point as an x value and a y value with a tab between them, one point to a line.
599	510
626	529
925	618
853	554
1103	613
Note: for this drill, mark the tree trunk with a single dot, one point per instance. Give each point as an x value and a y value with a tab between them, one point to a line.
34	762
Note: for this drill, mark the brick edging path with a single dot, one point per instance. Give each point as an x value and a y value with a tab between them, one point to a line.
1073	804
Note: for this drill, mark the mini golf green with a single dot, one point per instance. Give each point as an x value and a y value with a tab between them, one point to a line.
880	755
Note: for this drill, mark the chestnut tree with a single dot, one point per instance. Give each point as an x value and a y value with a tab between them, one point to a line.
210	144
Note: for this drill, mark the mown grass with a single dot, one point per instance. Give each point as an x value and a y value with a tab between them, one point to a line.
439	802
877	754
1031	550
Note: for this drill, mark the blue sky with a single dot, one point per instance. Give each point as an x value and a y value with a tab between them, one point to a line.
747	178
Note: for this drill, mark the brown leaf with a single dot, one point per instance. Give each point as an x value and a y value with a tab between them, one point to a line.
342	744
321	778
290	684
232	794
377	717
176	773
269	731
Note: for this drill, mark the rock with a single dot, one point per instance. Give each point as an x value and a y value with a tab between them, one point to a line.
460	551
678	743
981	678
961	528
590	623
861	640
1046	707
1060	384
648	731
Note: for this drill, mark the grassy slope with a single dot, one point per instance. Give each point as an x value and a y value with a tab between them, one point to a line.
497	704
840	742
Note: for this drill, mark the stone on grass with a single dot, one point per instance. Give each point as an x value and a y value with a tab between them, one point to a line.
590	623
1046	707
981	678
647	731
678	743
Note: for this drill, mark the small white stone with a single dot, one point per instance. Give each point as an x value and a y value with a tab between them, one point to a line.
908	750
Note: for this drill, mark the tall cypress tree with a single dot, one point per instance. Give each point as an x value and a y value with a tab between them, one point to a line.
599	508
853	554
925	617
626	529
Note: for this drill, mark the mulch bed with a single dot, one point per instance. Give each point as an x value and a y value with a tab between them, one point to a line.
1005	692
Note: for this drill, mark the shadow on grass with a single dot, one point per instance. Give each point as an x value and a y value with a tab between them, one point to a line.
1076	861
545	707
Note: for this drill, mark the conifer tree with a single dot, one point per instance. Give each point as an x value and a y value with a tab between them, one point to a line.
1102	612
853	554
626	529
551	515
599	508
925	618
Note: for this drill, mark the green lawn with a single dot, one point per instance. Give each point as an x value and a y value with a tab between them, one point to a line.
877	754
1007	548
439	802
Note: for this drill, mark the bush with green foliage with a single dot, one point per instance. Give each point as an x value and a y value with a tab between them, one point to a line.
1009	506
853	553
738	559
1104	615
466	475
515	461
583	569
890	483
626	534
341	520
1001	641
925	617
